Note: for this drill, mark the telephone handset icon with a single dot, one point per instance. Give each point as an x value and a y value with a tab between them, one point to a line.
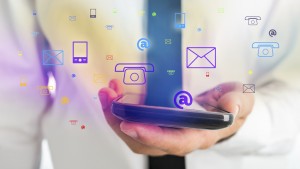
252	20
134	73
265	49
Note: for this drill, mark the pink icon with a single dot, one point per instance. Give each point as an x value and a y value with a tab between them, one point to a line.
73	122
82	127
207	74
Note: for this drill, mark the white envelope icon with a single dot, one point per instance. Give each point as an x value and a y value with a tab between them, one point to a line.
201	57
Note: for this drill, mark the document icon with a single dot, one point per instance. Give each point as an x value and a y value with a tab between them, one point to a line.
248	88
201	57
53	57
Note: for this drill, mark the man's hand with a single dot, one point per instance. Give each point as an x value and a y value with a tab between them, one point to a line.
156	141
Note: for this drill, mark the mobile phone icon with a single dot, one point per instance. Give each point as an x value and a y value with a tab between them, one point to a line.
92	13
80	52
180	20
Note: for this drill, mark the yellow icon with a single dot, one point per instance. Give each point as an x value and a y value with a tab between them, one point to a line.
64	100
250	72
23	82
98	78
45	90
20	53
220	10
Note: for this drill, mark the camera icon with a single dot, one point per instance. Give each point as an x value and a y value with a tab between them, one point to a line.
252	20
265	49
134	73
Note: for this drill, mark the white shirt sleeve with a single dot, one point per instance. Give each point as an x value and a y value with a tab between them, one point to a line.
273	124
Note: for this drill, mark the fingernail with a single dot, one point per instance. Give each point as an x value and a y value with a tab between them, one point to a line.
237	110
131	133
103	99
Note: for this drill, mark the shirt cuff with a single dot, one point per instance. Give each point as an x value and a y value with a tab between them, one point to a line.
254	133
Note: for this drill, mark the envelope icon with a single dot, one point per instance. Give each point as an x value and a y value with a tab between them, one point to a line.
53	57
109	57
168	41
201	57
248	88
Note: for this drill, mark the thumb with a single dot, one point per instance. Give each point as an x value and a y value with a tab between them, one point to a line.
230	102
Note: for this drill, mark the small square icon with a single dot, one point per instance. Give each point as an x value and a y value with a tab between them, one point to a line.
168	41
45	90
109	57
20	53
23	82
72	18
207	74
109	27
171	72
73	122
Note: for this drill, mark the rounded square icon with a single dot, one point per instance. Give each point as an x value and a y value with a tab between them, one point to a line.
134	76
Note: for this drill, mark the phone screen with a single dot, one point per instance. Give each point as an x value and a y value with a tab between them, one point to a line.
130	107
80	49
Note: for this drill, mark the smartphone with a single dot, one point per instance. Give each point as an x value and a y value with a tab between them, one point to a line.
80	52
179	20
130	107
92	13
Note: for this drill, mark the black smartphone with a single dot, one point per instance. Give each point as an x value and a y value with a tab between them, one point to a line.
130	107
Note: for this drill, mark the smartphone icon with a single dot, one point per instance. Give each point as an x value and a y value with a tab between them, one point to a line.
180	20
92	13
80	51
